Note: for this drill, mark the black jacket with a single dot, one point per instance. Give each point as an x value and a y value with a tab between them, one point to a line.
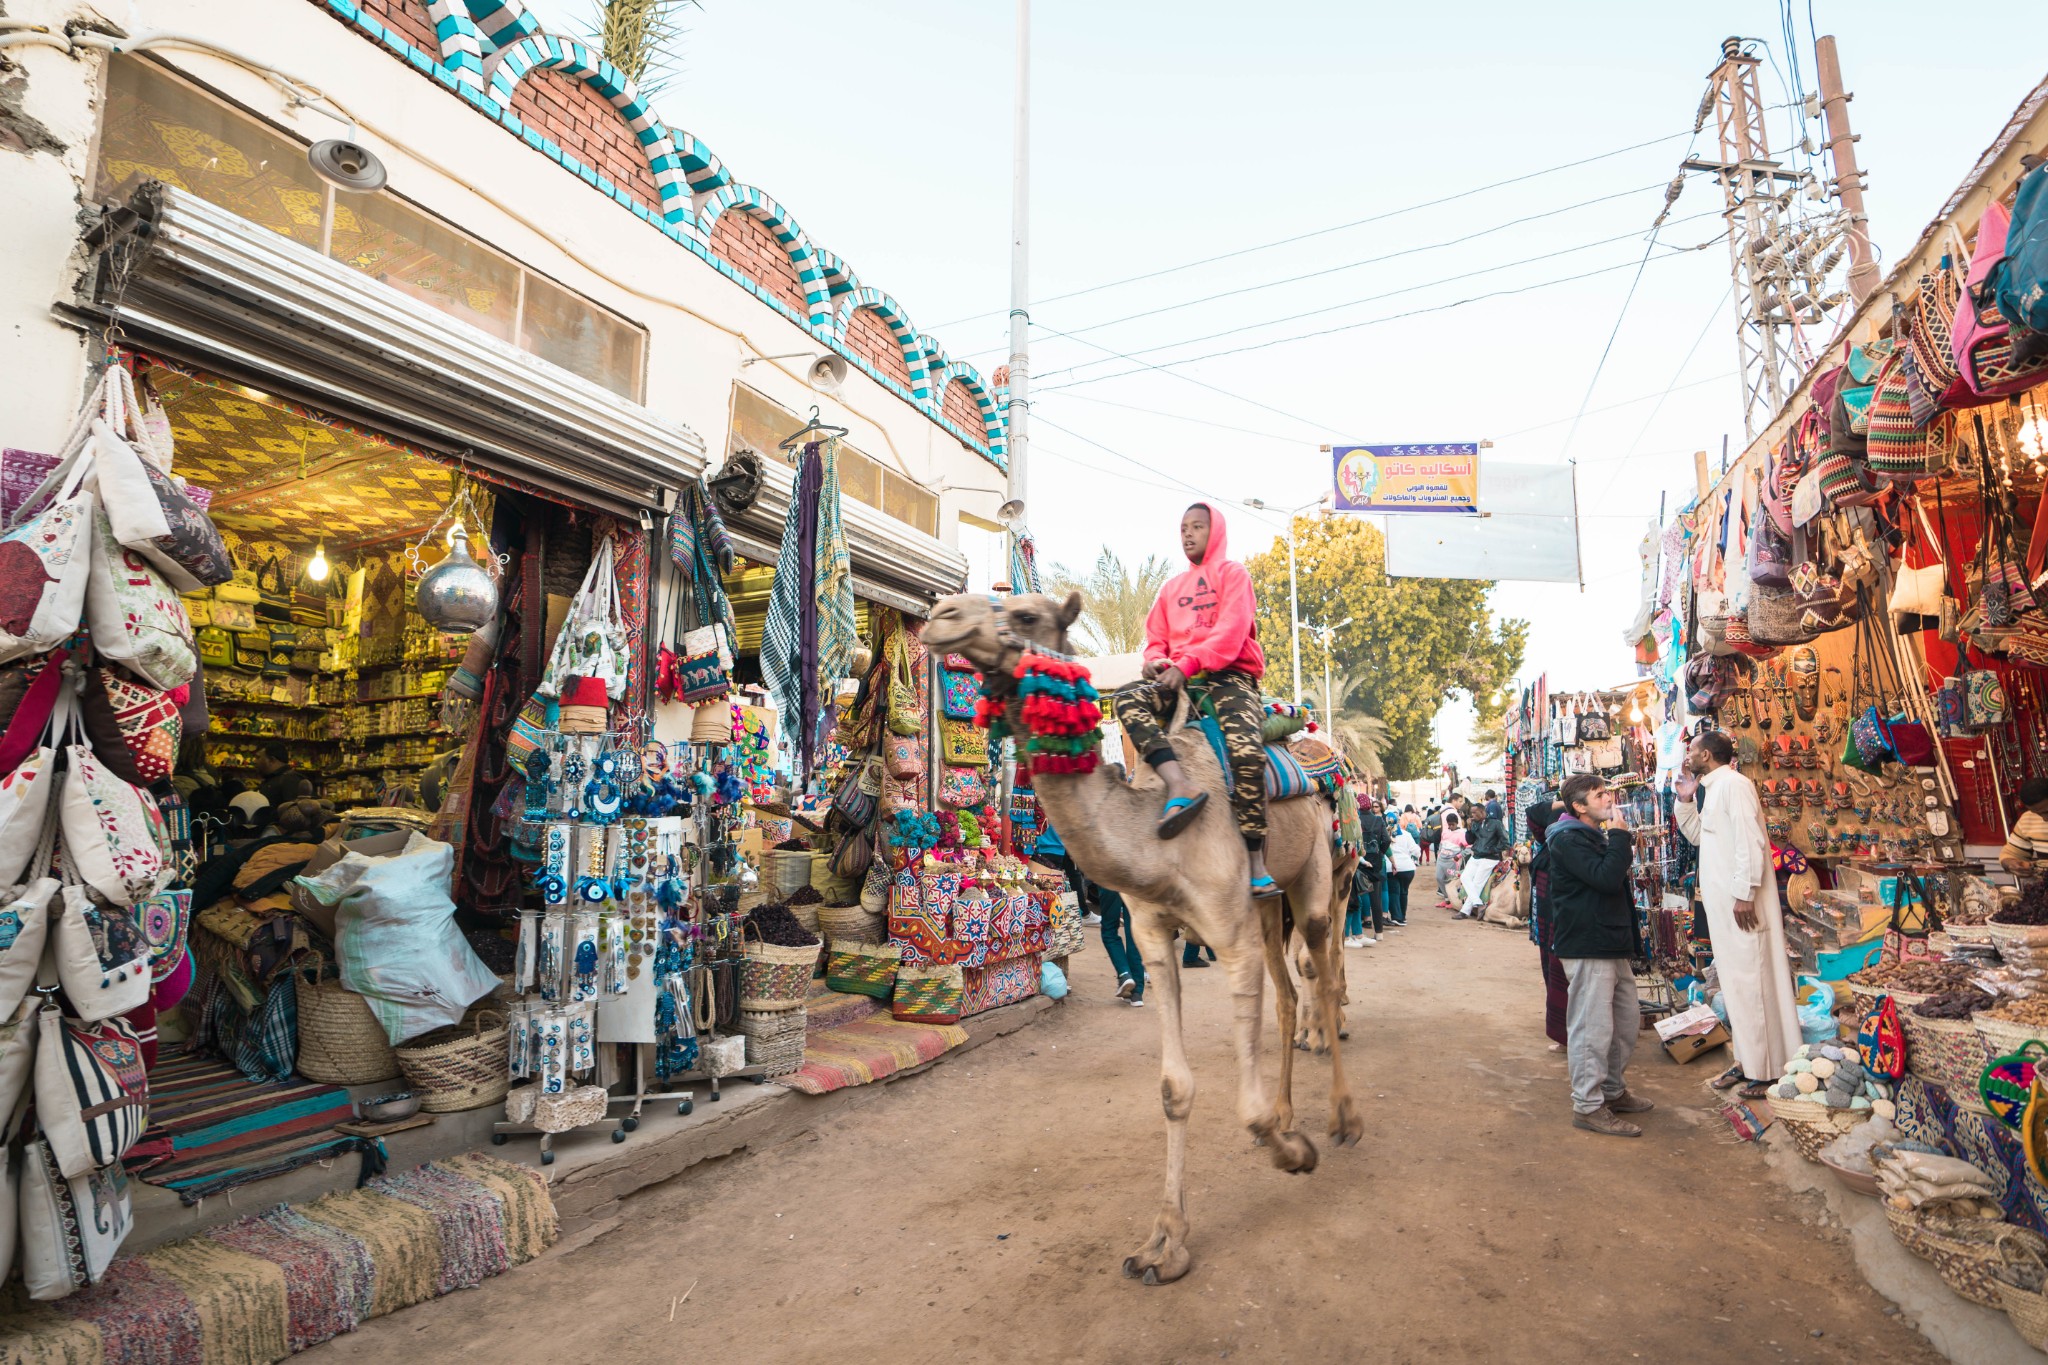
1372	845
1590	912
1490	840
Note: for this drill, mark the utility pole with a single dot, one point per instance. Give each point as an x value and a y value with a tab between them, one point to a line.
1848	181
1779	254
1020	277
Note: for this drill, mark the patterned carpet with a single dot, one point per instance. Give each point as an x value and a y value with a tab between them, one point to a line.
211	1129
263	1287
853	1041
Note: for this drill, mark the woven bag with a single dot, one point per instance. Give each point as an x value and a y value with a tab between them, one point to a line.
928	995
463	1066
857	968
340	1040
773	977
843	924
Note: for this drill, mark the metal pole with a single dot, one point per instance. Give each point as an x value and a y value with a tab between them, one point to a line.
1329	712
1293	611
1020	262
1863	273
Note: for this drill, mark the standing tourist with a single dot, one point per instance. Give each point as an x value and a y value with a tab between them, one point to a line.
1368	883
1593	932
1450	857
1740	892
1404	853
1556	990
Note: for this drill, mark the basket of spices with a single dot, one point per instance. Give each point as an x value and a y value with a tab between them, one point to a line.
1943	1046
777	960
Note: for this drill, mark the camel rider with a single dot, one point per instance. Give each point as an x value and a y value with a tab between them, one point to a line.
1202	626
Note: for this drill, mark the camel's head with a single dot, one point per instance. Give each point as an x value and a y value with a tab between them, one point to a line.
993	631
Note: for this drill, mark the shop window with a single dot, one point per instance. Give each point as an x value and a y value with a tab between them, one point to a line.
159	128
761	423
426	260
569	331
909	502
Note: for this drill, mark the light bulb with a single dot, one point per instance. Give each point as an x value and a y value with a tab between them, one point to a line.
317	568
2033	436
1635	715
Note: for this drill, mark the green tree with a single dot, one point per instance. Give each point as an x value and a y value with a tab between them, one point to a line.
1411	645
1115	600
641	38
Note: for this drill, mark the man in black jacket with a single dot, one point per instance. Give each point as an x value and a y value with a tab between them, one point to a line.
1489	846
1369	889
1593	933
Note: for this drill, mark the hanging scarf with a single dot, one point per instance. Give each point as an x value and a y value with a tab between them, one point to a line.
789	635
1023	563
838	633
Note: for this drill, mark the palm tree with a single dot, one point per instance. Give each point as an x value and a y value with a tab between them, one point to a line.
1115	601
640	38
1364	738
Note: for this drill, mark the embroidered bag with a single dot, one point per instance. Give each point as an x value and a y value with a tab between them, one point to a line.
135	618
112	831
962	788
1982	338
165	922
100	957
906	717
906	757
2007	1081
592	642
150	720
928	994
963	744
216	647
961	688
1899	447
860	792
92	1093
530	731
26	787
148	507
1880	1041
1984	699
703	657
45	562
71	1229
24	929
862	968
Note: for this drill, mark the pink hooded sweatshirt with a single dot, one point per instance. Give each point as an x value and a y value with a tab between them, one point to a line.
1203	620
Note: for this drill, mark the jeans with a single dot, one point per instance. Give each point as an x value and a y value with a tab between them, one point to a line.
1601	1022
1397	896
1117	940
1191	953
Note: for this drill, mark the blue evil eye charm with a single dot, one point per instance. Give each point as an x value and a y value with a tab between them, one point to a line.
552	887
601	801
594	890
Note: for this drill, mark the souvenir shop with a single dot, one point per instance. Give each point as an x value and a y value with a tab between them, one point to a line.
1854	604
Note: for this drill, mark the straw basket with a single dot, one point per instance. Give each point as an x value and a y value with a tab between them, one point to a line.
463	1066
1866	997
1948	1053
2003	1037
775	1040
1813	1126
1966	1251
2023	945
340	1040
784	872
852	924
1969	935
711	723
806	915
822	880
773	977
2028	1309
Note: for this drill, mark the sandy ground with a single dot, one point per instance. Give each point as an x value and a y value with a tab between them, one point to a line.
980	1212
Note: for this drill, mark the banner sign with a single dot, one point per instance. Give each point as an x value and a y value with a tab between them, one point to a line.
1441	477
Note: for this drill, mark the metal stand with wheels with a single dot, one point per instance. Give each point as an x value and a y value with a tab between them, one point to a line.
505	1129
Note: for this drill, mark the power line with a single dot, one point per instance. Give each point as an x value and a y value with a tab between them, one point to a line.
1324	232
1373	298
1144	365
1624	403
1370	322
1629	454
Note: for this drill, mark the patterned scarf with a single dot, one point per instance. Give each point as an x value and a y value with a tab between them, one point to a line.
791	600
838	634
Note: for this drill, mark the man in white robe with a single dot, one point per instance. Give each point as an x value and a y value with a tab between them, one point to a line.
1718	810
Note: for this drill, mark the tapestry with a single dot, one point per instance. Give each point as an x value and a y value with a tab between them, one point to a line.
1001	983
1928	1114
211	1129
629	556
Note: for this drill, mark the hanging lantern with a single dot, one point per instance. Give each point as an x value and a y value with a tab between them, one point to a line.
457	594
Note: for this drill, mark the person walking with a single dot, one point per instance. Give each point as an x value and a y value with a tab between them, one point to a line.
1556	989
1594	933
1051	850
1368	882
1450	857
1124	957
1404	853
1718	812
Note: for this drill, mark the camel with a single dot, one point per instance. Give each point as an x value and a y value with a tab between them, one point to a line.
1508	902
1199	881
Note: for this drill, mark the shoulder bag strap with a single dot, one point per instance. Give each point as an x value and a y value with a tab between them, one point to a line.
32	719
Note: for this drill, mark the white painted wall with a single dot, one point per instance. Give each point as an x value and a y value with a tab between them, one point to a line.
447	157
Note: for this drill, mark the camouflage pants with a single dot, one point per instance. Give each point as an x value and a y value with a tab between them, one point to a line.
1143	707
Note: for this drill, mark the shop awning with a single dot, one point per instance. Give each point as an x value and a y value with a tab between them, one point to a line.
203	286
894	564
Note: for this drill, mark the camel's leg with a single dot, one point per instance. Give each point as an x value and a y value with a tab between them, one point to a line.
1165	1257
1347	1126
1291	1150
1273	933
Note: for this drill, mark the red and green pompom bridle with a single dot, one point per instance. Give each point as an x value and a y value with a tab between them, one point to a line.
1061	713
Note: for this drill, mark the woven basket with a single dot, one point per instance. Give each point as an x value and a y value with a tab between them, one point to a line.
1966	1251
340	1040
852	924
2020	944
2002	1038
2028	1309
784	872
463	1066
1868	996
775	1041
1948	1053
1969	935
1813	1126
773	977
806	915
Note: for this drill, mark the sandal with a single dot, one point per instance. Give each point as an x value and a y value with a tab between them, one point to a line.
1729	1079
1754	1090
1180	813
1264	888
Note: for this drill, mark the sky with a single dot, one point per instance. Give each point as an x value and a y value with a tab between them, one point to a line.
1169	135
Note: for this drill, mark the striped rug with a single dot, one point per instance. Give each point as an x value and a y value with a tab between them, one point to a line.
859	1044
263	1287
211	1129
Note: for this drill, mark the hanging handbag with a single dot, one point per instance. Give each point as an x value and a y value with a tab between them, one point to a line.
216	647
1770	551
25	789
965	745
278	651
2005	1082
962	788
149	508
99	956
135	618
906	717
112	831
1898	446
92	1093
1982	337
71	1228
905	755
250	651
235	616
24	929
1880	1041
960	688
273	594
860	792
592	642
151	722
45	565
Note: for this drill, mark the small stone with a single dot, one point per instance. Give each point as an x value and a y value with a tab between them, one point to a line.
1859	1103
1823	1068
1831	1052
1798	1066
1884	1108
1816	1332
1806	1082
1835	1100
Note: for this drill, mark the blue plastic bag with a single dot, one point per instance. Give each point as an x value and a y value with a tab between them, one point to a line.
1052	982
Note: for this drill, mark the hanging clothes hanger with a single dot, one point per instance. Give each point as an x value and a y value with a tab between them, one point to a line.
814	425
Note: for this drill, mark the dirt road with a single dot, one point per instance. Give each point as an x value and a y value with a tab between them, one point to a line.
980	1212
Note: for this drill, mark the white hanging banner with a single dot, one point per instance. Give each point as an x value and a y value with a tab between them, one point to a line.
1528	531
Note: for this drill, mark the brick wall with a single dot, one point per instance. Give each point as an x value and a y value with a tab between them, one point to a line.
405	17
748	245
868	337
584	124
960	408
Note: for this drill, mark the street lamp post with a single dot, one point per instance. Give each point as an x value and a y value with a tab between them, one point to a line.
1325	633
1293	592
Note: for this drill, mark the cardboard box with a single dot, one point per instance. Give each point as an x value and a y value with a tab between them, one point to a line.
1689	1046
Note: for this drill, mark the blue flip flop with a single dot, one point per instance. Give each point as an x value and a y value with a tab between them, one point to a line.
1180	813
1264	887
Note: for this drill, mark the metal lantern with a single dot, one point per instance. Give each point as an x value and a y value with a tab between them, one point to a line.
457	594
